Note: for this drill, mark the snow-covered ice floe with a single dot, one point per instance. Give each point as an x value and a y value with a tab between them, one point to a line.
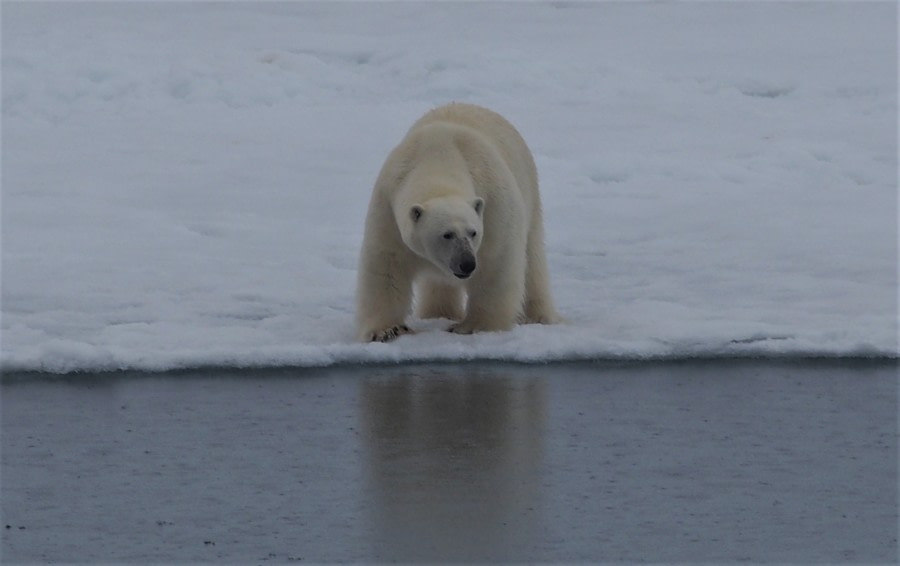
184	184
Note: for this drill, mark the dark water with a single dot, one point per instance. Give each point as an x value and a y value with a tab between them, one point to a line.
681	462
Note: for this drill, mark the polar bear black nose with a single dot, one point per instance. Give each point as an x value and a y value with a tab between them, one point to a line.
467	266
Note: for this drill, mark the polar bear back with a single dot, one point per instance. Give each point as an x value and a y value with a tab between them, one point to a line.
500	133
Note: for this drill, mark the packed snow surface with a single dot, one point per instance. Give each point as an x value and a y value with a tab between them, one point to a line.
185	184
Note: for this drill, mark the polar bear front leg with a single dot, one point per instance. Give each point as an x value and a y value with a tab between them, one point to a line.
383	297
495	300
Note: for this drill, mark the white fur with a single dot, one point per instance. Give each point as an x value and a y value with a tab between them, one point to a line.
460	187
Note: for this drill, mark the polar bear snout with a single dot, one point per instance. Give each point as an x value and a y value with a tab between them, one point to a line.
464	268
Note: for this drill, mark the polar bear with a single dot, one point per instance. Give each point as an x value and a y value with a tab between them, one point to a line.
456	212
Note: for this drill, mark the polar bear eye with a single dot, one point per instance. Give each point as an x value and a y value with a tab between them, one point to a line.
472	234
448	235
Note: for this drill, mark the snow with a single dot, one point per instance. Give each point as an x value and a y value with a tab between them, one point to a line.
185	184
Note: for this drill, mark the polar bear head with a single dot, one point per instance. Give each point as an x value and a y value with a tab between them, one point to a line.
447	232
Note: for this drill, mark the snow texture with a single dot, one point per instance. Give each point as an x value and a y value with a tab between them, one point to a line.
185	184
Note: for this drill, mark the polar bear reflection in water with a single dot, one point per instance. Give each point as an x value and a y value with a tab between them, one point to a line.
452	465
456	211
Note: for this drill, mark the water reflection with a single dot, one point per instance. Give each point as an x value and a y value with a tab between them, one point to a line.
452	462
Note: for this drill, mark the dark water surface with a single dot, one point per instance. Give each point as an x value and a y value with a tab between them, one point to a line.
680	462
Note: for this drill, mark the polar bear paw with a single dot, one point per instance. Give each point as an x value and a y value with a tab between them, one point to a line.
389	334
461	328
471	327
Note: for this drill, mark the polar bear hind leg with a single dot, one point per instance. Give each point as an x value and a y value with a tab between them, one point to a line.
538	307
439	300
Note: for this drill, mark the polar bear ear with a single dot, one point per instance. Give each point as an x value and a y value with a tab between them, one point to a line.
416	212
478	205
